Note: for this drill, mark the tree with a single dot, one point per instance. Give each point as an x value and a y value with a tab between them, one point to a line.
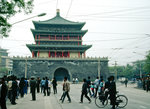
9	8
3	71
147	63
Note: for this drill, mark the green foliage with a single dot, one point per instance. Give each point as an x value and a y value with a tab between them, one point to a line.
130	71
9	8
147	63
3	70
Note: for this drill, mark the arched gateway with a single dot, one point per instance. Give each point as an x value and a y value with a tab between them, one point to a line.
60	73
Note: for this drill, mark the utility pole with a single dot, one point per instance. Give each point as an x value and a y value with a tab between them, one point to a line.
140	71
99	68
115	71
25	74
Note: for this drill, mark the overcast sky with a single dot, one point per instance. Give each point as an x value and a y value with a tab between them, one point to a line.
116	28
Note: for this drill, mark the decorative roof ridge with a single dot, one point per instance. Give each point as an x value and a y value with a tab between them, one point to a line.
58	31
58	20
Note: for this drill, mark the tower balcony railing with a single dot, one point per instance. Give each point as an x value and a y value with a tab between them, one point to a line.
60	58
58	39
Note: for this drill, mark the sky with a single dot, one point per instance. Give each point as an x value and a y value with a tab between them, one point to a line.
117	29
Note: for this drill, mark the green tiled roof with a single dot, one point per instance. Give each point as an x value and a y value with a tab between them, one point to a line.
82	32
58	20
58	47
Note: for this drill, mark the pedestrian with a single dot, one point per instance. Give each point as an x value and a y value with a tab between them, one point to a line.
26	86
76	80
46	87
42	85
9	84
92	89
126	82
49	87
3	94
96	84
84	91
14	90
147	83
38	84
21	87
89	85
33	88
106	88
66	88
112	92
101	87
73	81
54	82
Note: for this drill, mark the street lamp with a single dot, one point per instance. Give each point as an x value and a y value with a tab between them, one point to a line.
140	63
39	15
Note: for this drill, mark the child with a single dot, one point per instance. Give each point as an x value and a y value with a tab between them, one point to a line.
92	89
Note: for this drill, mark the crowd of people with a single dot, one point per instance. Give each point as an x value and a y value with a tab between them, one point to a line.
12	87
99	87
145	83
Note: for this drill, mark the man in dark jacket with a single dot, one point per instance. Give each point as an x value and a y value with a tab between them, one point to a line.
46	87
3	94
33	88
89	85
14	90
107	85
84	91
54	82
112	92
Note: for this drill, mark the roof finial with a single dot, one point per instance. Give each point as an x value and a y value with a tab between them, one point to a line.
57	12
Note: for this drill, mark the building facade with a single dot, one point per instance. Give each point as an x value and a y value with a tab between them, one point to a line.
58	51
5	62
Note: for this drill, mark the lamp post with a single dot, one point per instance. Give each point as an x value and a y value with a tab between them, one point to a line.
39	15
99	68
140	63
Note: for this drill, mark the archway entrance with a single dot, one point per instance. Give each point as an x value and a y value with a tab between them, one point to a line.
60	73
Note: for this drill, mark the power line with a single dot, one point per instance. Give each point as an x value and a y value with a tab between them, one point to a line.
117	50
69	8
117	11
57	4
85	41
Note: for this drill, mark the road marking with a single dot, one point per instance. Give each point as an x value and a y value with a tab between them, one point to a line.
86	107
143	107
47	103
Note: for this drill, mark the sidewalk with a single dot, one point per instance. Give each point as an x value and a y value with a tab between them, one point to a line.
42	102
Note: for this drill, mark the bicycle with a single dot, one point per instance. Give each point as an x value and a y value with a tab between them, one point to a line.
101	101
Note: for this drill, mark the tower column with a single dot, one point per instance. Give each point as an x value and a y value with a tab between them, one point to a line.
55	37
78	54
32	54
38	53
68	36
62	54
68	54
49	54
55	53
84	55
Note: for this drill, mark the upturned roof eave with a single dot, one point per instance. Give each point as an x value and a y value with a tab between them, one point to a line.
57	32
48	23
60	47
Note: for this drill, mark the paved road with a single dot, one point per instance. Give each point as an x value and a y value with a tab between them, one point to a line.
138	99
